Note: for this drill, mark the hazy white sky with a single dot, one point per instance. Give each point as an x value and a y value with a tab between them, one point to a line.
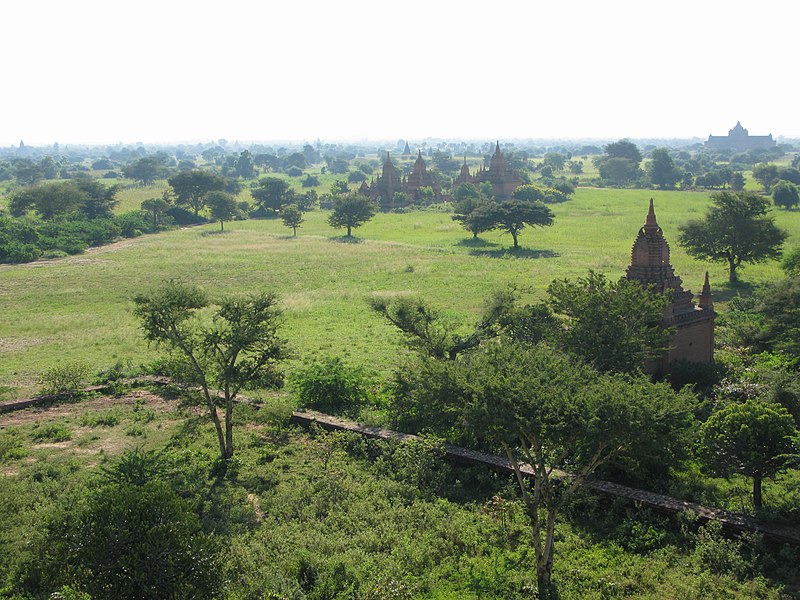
84	71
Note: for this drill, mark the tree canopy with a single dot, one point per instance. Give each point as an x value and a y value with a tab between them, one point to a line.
736	229
191	187
351	211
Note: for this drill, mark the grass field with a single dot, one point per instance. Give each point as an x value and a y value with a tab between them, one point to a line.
79	308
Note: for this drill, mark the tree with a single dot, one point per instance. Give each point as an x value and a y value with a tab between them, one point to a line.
511	216
51	200
223	207
614	326
618	171
736	229
766	174
292	217
272	193
352	210
554	160
146	170
191	187
545	411
791	262
466	210
239	349
785	194
339	187
99	200
754	438
624	149
136	541
158	207
662	170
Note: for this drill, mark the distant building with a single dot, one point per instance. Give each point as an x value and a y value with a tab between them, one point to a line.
391	181
739	140
693	339
503	180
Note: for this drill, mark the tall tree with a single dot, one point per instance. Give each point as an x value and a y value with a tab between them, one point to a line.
52	201
736	229
545	412
614	326
191	187
662	170
624	149
239	349
272	193
350	211
757	439
223	207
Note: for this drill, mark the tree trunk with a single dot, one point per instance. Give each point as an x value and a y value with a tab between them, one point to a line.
514	235
294	231
228	425
544	568
474	235
732	270
221	225
757	492
348	231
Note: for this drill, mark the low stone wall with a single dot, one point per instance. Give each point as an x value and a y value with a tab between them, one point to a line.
732	522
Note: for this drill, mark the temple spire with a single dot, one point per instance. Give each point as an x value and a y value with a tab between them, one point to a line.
705	301
497	147
651	216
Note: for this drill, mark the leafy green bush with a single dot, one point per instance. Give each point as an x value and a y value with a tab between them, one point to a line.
65	378
332	386
51	432
101	418
12	445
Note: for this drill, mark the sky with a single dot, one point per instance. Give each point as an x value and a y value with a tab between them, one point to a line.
97	72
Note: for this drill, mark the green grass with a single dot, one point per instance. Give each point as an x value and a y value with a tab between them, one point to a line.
79	308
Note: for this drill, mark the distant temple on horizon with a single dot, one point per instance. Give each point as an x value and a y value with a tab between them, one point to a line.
391	181
693	340
504	181
739	139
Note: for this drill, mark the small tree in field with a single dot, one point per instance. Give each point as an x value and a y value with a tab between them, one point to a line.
736	230
757	439
292	217
223	207
785	194
238	349
351	211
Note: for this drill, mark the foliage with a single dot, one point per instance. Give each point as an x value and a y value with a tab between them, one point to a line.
272	193
191	187
351	211
223	207
146	170
511	216
50	432
332	386
292	217
662	170
426	330
614	326
64	378
240	349
791	262
736	229
755	438
785	194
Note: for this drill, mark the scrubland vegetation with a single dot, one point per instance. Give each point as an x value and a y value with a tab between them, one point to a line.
395	324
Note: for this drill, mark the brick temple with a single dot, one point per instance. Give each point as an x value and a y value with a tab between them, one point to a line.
391	181
693	339
503	180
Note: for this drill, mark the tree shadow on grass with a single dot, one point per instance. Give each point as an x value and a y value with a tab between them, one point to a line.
728	291
346	240
476	243
213	232
514	253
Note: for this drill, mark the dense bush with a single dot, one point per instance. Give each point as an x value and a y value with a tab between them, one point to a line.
332	386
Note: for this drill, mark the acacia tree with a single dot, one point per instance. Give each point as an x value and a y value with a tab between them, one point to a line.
352	210
757	439
238	349
736	229
546	412
511	216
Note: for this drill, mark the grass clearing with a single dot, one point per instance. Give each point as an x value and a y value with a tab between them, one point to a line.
79	308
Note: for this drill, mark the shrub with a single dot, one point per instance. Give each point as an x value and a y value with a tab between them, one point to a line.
332	386
65	378
12	445
105	418
51	432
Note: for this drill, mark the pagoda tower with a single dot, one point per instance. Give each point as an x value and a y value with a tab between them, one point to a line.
693	339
